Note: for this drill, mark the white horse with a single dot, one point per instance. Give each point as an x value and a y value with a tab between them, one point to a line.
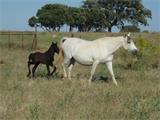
93	52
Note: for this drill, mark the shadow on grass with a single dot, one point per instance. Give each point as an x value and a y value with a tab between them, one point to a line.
45	77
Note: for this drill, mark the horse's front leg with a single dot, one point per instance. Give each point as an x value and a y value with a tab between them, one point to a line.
109	65
54	69
94	66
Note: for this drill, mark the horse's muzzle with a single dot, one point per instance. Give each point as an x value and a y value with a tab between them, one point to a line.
135	52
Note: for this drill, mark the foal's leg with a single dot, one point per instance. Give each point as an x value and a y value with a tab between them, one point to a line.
48	69
94	66
34	68
29	70
109	65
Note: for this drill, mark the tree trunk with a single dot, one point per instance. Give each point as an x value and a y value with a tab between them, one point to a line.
109	29
58	28
70	28
35	28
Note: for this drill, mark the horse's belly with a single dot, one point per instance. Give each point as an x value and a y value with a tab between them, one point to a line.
83	60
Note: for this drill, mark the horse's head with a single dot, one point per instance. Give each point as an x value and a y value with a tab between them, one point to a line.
54	47
129	44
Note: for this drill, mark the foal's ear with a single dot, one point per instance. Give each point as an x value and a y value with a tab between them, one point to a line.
53	43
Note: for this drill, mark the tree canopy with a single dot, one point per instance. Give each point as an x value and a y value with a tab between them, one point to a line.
93	15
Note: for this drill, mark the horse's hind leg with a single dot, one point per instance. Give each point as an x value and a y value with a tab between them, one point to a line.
64	64
34	68
29	71
94	66
48	69
72	62
53	69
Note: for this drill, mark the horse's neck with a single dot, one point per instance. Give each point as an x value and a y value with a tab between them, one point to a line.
49	52
116	44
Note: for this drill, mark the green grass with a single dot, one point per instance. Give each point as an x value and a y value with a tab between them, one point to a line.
137	96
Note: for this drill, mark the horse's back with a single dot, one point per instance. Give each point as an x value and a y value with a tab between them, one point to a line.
82	50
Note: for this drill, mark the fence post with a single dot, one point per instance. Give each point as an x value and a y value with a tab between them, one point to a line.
22	41
9	37
34	44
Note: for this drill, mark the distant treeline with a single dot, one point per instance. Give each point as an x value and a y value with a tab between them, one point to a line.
93	15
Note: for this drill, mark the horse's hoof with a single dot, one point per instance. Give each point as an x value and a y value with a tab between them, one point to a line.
28	76
64	78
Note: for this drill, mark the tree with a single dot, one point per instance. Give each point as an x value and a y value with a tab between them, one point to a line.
33	22
52	16
84	19
130	28
96	19
118	12
72	17
94	15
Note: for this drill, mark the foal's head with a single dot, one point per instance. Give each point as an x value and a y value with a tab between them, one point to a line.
129	44
54	48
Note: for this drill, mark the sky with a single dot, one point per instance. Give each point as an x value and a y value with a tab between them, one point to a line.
14	14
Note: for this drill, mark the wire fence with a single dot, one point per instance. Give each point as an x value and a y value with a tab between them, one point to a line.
18	39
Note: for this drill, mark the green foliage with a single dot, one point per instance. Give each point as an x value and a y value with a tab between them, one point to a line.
130	28
148	52
119	11
99	22
33	21
94	15
52	16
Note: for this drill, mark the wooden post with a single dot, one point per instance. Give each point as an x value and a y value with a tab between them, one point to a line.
34	44
9	37
22	41
72	35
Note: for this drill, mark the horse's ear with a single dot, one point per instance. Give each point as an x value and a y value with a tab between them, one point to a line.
129	34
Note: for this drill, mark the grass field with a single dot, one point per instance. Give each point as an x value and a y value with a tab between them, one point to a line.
137	96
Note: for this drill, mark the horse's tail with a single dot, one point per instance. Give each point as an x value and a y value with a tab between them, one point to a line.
59	58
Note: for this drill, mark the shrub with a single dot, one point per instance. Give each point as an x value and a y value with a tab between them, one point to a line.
130	28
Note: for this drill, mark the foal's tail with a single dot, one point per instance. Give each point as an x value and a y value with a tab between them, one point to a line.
60	57
30	58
